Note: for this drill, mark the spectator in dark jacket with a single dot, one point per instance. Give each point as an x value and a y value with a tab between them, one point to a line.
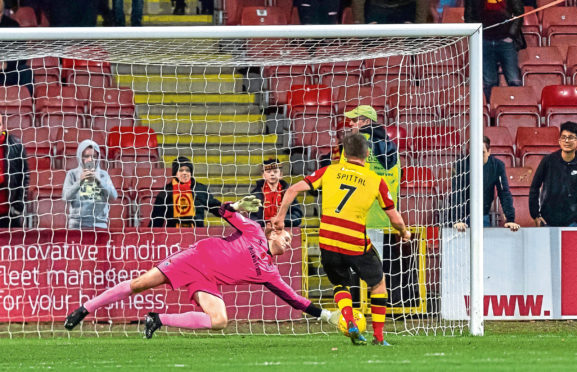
14	179
13	72
184	202
553	194
501	43
270	191
494	177
318	12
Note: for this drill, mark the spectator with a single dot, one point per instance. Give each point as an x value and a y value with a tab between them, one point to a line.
383	158
14	72
88	189
77	13
494	177
501	43
184	202
14	178
553	194
135	16
180	7
318	12
270	191
393	11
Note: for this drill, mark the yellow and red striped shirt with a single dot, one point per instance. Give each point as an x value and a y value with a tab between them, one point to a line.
349	190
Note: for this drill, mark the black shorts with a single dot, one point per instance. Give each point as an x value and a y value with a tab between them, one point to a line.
337	266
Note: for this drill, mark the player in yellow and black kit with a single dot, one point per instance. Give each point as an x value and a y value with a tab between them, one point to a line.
349	190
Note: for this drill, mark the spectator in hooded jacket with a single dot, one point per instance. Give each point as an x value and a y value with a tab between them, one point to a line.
184	202
14	178
88	189
270	191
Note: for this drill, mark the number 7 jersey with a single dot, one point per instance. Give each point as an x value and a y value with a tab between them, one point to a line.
348	191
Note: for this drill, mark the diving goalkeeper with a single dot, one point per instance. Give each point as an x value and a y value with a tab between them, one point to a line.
244	257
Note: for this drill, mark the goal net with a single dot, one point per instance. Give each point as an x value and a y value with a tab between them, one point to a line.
228	100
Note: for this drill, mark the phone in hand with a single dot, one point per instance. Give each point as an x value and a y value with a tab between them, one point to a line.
89	165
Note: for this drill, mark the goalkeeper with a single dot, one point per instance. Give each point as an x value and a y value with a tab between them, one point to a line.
244	257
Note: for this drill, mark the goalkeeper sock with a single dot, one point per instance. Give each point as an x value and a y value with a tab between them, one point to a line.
378	313
190	320
116	293
344	301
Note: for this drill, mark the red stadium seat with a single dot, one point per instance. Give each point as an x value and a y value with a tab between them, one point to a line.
47	184
453	15
560	25
38	143
58	105
534	143
119	216
435	146
514	107
399	136
390	72
130	146
559	104
279	86
52	213
501	144
443	67
412	105
347	98
309	100
522	215
233	9
25	16
417	196
257	16
340	74
147	184
519	180
541	66
572	64
16	104
531	28
347	17
67	141
45	69
111	107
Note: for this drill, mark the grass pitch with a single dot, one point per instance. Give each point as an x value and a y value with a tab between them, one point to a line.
506	346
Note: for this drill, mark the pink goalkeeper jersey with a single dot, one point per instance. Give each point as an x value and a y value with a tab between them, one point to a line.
240	258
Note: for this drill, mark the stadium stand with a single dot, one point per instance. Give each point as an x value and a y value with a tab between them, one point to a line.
417	197
132	146
453	15
519	184
111	107
25	16
67	141
531	28
348	97
571	65
559	26
17	105
233	9
57	105
45	69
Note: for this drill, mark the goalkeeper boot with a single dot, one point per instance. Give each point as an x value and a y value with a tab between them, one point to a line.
151	324
380	343
356	337
75	317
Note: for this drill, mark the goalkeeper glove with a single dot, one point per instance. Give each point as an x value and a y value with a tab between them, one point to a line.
247	204
331	317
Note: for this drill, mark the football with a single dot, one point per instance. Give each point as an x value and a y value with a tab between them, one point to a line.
359	319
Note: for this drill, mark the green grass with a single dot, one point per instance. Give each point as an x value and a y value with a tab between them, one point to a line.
506	346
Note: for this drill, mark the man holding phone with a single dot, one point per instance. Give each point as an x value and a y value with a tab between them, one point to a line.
88	189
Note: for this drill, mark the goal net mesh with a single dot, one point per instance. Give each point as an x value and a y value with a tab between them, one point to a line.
228	105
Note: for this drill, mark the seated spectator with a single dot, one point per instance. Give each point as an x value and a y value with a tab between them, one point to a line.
88	189
13	72
135	15
184	202
553	193
270	191
14	178
318	12
494	177
500	44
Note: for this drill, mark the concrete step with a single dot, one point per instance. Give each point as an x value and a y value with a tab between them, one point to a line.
237	159
211	83
205	124
192	98
165	7
171	70
302	199
197	109
267	151
238	182
186	140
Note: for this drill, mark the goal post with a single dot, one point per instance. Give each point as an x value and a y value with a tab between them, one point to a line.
226	97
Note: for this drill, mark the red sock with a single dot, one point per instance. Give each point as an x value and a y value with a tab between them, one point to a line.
344	301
